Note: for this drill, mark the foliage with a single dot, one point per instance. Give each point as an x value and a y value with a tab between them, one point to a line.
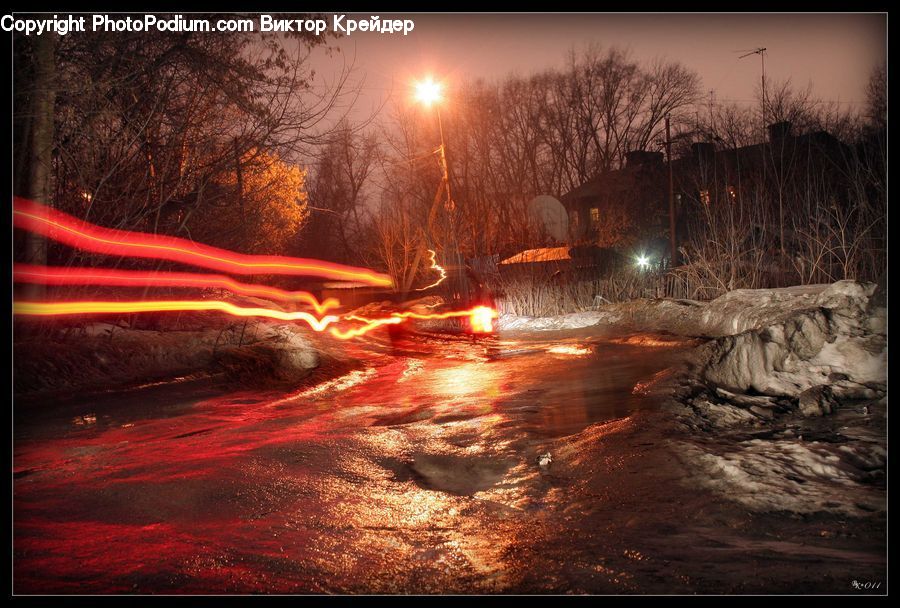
152	128
259	213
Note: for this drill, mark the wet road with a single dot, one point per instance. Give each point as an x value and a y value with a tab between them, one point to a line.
416	472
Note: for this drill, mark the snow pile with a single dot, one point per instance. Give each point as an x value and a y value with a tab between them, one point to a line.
707	414
793	475
826	341
276	351
789	412
744	309
815	345
104	355
733	313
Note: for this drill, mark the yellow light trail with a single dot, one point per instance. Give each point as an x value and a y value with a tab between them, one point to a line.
435	266
47	275
47	309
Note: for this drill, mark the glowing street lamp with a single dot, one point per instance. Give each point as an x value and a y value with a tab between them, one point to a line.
428	93
643	262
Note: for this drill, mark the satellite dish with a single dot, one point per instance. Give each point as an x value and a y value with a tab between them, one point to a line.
548	213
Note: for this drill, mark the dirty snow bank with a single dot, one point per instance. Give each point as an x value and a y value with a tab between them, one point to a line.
784	407
733	313
790	412
105	355
675	316
276	351
575	320
826	342
834	340
790	474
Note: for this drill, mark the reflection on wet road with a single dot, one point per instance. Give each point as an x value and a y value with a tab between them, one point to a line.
416	472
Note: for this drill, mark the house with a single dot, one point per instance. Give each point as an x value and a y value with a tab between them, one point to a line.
630	206
619	207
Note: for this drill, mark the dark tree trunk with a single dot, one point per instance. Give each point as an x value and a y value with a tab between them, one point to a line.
40	145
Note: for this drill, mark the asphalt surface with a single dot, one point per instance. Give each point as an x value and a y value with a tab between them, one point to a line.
433	464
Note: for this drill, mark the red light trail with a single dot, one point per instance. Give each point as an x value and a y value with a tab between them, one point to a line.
71	231
46	275
369	326
76	233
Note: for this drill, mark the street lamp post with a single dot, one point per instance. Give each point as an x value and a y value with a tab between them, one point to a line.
445	168
428	92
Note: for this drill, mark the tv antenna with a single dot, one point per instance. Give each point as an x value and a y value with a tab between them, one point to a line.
761	51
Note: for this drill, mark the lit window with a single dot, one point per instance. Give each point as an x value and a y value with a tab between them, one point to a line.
595	216
704	197
732	193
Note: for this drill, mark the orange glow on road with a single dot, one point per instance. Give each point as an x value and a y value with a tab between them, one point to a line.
45	309
466	379
71	231
569	349
340	384
435	266
45	275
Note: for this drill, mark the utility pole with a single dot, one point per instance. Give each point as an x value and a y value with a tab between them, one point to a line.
761	51
446	170
450	206
429	92
672	259
239	175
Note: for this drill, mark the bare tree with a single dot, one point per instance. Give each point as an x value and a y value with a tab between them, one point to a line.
35	155
876	98
817	193
340	193
152	128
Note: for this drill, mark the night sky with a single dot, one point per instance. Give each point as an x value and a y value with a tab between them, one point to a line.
836	52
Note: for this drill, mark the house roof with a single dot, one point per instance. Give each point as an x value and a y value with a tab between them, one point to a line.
544	254
616	183
641	176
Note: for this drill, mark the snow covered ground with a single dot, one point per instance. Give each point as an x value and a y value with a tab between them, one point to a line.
104	355
784	407
575	320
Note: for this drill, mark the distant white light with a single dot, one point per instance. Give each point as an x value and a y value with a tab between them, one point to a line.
643	262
